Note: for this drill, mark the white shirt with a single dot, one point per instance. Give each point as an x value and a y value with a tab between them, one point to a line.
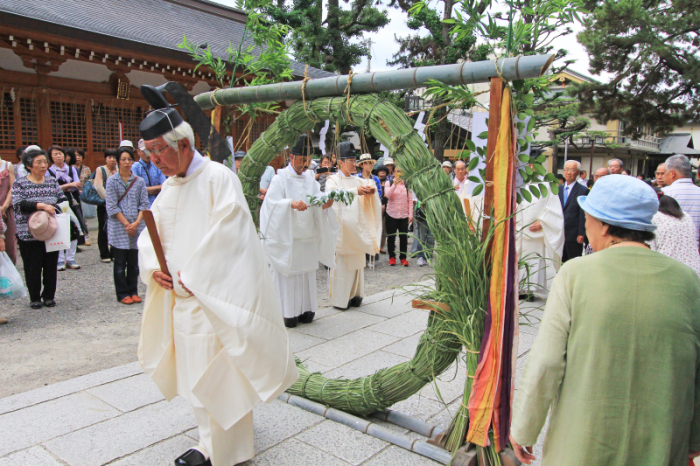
196	162
461	184
688	197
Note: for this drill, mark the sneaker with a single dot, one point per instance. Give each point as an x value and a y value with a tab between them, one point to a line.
127	300
87	242
72	265
392	261
49	303
136	299
404	262
422	262
61	267
3	320
106	260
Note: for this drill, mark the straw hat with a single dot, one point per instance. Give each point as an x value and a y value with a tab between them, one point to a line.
366	158
389	161
42	225
447	163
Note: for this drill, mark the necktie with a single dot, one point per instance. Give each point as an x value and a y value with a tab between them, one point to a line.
566	194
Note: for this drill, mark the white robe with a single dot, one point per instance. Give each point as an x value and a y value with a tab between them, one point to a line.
295	242
225	349
542	250
359	234
473	207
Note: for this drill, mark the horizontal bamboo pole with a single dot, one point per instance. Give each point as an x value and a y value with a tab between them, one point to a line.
510	69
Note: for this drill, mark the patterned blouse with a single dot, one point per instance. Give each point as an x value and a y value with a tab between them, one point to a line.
25	196
135	200
675	238
84	174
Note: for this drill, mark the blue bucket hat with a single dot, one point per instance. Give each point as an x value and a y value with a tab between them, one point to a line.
622	201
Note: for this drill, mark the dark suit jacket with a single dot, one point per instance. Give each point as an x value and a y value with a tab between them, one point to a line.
574	217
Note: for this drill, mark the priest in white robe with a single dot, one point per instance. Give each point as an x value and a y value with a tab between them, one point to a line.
360	230
540	243
297	236
212	333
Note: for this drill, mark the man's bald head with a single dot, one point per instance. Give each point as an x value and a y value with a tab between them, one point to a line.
461	171
601	172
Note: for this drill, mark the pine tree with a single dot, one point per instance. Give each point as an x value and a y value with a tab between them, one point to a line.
327	44
651	48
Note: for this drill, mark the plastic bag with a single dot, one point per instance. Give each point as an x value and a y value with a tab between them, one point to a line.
11	284
61	239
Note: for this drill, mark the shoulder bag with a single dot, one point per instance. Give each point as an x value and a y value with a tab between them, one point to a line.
89	194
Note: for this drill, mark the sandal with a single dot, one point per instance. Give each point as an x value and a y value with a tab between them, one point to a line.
127	300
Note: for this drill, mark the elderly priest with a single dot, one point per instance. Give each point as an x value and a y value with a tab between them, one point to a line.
212	333
360	230
297	236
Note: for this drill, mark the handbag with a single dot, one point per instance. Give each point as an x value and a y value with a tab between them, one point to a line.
89	194
11	284
61	239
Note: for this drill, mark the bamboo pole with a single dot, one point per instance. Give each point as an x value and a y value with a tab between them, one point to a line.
510	69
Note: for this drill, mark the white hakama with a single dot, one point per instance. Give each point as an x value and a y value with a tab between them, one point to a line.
297	293
347	279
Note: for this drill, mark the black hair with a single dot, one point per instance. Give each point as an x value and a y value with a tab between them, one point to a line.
670	206
50	150
111	153
626	234
29	156
128	150
70	156
19	151
559	176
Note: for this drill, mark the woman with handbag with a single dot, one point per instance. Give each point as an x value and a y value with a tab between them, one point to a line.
102	174
37	193
7	213
67	178
127	198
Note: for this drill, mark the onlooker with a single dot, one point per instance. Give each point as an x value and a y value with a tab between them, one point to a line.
447	168
72	160
423	242
560	179
265	180
146	170
67	178
32	193
366	163
127	198
334	161
7	212
399	213
616	372
20	169
391	166
323	172
675	233
3	320
238	158
659	174
679	185
599	173
84	172
626	172
583	178
383	175
574	220
460	179
616	166
100	182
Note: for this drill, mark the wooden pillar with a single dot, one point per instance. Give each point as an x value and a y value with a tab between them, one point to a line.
497	86
17	119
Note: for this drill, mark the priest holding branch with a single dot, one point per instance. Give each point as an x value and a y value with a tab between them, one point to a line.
212	331
360	230
296	235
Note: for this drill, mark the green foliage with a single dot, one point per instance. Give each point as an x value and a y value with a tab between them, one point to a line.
261	57
651	48
328	44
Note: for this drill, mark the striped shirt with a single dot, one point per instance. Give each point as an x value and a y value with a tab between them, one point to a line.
688	197
135	201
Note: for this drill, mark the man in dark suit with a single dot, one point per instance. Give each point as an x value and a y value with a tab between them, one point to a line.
574	218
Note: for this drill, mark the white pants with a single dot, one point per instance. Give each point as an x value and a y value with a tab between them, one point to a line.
196	344
68	255
225	447
297	293
347	279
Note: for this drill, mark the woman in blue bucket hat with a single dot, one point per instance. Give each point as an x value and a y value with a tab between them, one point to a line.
617	353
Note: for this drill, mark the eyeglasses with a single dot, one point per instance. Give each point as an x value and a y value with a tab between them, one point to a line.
570	170
156	152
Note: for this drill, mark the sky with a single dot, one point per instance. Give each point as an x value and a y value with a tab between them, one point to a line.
384	45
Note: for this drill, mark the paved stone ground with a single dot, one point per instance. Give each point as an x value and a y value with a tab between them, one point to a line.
118	417
89	330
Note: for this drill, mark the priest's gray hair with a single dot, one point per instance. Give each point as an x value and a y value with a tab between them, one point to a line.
680	164
181	131
578	164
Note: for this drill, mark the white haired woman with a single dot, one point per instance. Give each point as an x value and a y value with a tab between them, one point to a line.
619	370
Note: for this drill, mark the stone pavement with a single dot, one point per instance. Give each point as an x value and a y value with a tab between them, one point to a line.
118	417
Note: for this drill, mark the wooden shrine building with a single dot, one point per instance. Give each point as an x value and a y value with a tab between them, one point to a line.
70	71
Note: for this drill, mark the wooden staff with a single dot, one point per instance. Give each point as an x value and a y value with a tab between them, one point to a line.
155	239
